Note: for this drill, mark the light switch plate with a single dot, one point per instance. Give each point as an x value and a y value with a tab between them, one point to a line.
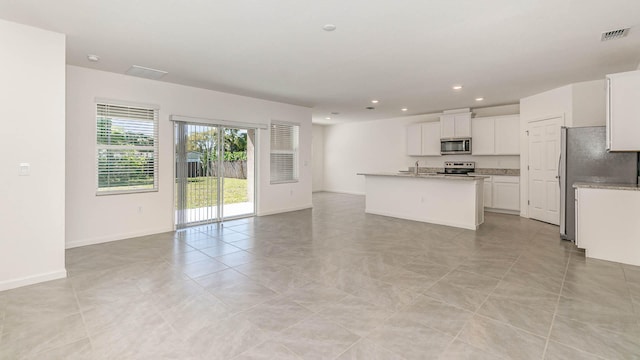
24	169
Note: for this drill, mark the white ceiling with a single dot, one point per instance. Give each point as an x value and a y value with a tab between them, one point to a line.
405	53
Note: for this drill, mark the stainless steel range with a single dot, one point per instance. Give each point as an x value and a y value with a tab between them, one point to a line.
458	167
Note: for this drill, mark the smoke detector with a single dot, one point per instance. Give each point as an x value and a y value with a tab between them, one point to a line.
145	72
614	34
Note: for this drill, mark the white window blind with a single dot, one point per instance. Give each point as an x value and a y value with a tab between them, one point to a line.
127	149
284	152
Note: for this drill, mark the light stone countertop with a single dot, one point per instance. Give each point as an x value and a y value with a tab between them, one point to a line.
478	171
428	176
593	185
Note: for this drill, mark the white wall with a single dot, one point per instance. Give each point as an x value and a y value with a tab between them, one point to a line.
589	103
318	158
579	104
32	207
93	219
380	146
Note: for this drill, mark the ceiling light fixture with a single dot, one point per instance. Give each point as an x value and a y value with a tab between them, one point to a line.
370	108
329	27
145	72
457	87
335	113
327	118
375	101
93	58
479	99
404	109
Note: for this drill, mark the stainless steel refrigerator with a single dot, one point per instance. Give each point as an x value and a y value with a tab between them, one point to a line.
584	158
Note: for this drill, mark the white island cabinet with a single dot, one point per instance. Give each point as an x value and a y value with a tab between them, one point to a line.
439	199
607	225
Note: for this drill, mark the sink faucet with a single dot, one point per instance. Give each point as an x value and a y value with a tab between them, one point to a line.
416	168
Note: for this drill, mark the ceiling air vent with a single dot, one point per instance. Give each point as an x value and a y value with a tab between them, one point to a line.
614	34
146	73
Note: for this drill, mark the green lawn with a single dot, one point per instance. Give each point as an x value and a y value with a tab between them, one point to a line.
202	191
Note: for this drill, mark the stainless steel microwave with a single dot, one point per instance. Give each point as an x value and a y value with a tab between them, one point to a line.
455	146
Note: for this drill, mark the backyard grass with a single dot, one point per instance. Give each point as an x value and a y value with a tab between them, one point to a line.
202	191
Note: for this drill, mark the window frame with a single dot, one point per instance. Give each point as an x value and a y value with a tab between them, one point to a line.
295	152
153	148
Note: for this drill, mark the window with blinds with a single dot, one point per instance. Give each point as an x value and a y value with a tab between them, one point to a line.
284	152
127	149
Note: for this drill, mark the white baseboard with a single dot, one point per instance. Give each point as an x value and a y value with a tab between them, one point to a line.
116	237
345	192
279	211
33	279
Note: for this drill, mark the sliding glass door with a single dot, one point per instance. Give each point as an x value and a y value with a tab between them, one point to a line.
215	173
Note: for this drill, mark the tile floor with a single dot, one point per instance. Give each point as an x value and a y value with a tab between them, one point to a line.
332	283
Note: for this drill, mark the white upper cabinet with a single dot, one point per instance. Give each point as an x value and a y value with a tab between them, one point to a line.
414	139
431	138
457	125
623	111
483	136
497	135
423	139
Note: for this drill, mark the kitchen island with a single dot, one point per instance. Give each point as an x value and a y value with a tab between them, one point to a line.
434	198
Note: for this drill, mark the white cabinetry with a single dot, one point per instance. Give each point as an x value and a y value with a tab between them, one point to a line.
502	193
457	125
607	224
623	111
414	139
498	135
423	139
488	192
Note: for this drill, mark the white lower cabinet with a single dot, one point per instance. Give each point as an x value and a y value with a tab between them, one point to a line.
607	226
503	192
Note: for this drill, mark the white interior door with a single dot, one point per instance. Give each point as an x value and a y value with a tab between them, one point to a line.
544	155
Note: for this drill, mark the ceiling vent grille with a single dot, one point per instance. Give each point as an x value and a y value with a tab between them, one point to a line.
144	72
614	34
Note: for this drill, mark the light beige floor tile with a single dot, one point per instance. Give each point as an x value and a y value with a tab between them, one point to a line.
79	350
514	313
316	338
276	315
356	315
459	350
594	340
501	339
315	296
436	315
367	350
557	351
410	339
268	350
35	337
355	271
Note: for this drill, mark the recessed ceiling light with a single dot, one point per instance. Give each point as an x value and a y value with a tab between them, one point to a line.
479	99
370	108
327	118
404	109
93	58
456	87
335	113
329	27
375	101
